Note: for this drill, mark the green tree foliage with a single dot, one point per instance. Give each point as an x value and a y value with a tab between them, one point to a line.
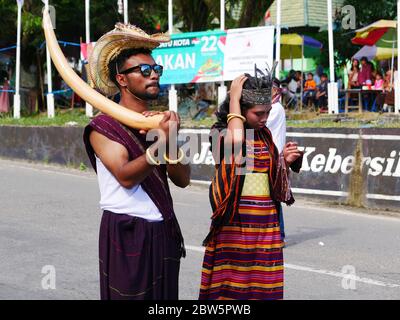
367	12
253	12
198	15
371	11
200	9
152	16
8	22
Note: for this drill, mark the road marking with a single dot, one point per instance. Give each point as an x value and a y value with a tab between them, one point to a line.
322	192
183	204
321	271
318	209
70	174
194	248
342	275
201	182
345	194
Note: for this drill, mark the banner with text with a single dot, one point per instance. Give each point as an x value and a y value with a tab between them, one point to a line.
246	47
192	57
214	56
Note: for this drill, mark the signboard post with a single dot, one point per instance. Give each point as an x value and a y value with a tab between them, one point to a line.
49	95
222	90
172	94
278	39
17	97
126	20
332	86
397	80
88	107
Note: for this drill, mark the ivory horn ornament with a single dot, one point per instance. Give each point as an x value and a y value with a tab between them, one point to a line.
128	117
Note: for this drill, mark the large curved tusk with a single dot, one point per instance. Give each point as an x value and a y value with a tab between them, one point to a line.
87	93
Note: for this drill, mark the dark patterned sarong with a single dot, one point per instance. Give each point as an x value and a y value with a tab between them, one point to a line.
138	260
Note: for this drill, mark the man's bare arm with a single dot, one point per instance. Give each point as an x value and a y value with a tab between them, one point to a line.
115	158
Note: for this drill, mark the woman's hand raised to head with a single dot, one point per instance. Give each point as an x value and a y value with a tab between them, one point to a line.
236	88
235	133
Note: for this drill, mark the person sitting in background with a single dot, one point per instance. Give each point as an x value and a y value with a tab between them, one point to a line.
205	97
299	80
373	71
380	98
386	98
365	79
291	75
4	94
365	72
322	92
318	73
289	91
309	89
378	85
340	83
353	75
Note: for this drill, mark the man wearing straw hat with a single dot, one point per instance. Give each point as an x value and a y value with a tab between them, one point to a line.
140	240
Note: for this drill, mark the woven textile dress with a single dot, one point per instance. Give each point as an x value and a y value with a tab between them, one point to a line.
245	260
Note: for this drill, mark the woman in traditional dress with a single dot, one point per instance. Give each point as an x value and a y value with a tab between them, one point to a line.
243	258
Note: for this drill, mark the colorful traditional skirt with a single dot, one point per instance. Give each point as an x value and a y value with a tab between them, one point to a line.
245	260
138	259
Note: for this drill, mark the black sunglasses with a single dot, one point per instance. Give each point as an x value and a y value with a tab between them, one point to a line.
145	69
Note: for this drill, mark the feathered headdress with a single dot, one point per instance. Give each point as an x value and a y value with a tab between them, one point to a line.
258	89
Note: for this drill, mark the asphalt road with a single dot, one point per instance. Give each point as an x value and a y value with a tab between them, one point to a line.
49	220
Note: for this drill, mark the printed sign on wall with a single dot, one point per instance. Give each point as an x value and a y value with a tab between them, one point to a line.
328	162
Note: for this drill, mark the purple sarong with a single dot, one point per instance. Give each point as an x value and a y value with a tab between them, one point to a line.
138	261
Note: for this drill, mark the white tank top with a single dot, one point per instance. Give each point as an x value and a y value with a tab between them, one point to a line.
115	198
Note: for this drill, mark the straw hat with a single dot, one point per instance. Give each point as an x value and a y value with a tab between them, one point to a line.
110	45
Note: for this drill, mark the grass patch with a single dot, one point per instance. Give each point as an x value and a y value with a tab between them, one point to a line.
350	120
62	118
82	167
204	123
77	117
